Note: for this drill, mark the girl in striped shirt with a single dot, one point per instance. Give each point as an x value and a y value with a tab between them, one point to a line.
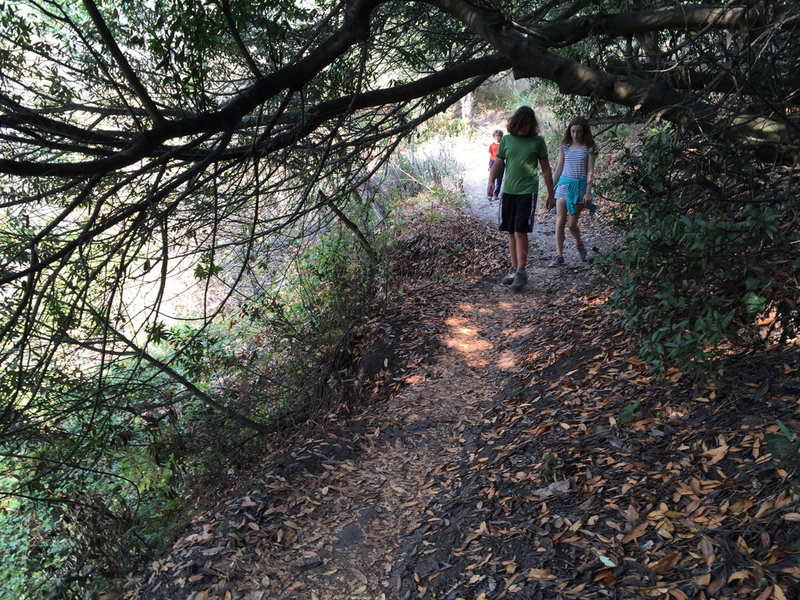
574	174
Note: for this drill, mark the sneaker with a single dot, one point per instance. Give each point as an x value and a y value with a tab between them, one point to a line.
520	279
508	277
488	198
582	251
557	261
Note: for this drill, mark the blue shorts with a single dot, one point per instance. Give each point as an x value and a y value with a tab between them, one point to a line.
516	213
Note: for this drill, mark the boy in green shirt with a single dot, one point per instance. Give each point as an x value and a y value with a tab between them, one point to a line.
522	153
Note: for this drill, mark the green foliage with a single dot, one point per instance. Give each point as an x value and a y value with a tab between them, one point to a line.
495	95
783	447
205	267
547	470
333	286
507	94
705	250
630	413
424	165
272	353
90	498
99	445
442	126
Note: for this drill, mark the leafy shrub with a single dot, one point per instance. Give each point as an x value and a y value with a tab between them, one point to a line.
421	166
442	126
709	249
102	491
152	450
85	505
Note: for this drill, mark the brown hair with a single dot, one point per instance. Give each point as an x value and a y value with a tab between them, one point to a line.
524	115
587	133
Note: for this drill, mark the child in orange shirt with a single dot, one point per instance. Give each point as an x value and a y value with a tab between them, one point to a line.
497	135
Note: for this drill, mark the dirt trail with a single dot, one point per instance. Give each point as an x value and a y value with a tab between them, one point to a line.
515	447
344	511
342	515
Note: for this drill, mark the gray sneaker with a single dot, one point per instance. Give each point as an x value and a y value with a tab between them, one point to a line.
520	279
582	251
508	277
557	261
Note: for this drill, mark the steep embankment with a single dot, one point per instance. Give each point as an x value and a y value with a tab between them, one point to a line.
514	447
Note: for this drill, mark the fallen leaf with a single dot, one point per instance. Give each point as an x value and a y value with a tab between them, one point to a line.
707	548
540	574
631	514
359	575
636	533
557	487
792	516
715	586
607	561
666	563
765	594
738	576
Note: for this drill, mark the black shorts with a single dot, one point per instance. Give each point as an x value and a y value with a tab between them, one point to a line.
516	213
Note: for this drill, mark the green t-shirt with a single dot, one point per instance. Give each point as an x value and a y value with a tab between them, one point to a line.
521	155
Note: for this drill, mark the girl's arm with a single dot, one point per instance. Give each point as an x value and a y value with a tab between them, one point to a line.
551	199
587	197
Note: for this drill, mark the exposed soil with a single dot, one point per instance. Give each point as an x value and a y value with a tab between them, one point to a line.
515	447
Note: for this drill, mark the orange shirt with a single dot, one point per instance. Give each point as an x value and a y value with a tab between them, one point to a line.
493	151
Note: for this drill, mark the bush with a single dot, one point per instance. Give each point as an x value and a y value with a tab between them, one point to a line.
709	249
100	492
94	493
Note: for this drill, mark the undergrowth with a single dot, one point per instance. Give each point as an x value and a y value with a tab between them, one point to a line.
709	254
280	352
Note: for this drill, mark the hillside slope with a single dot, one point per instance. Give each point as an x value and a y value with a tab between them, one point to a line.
514	447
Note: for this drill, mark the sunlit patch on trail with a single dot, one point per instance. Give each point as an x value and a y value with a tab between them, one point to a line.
521	332
507	306
466	339
508	360
470	308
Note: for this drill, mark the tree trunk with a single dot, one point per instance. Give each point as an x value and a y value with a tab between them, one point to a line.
468	107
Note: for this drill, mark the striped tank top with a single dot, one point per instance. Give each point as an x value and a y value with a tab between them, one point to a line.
576	166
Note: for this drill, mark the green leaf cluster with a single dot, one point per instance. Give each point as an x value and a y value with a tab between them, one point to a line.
707	248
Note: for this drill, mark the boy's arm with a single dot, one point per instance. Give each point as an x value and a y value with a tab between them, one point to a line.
498	163
547	173
559	167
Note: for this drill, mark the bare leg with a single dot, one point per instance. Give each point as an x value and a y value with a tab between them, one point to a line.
572	225
521	244
512	249
561	221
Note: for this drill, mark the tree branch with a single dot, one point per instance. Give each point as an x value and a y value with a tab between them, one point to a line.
530	58
151	143
123	63
226	10
686	17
